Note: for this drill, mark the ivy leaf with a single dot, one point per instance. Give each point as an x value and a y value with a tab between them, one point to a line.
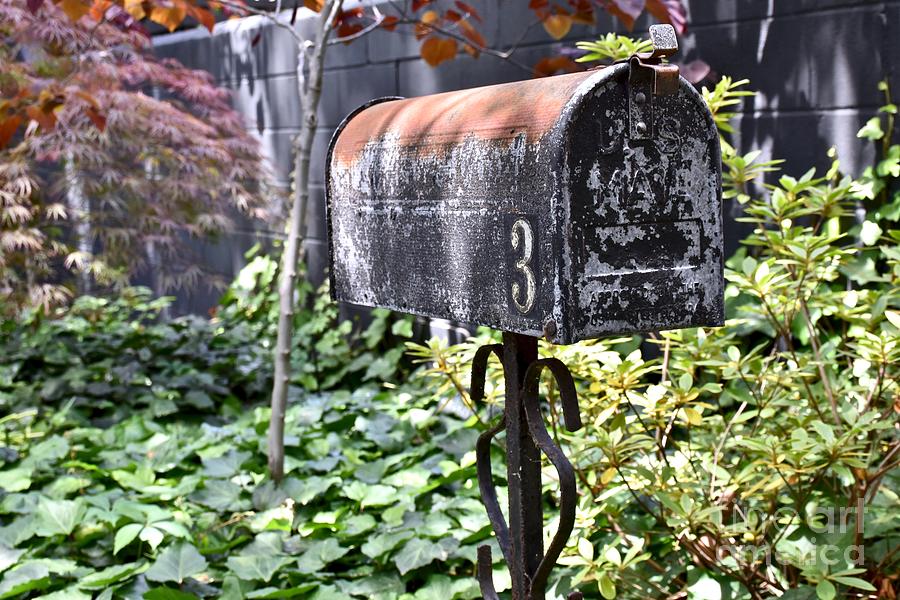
381	544
256	568
48	451
9	556
33	576
391	586
16	480
69	593
370	495
320	554
403	328
167	593
143	477
222	495
58	517
270	592
871	131
103	579
418	553
224	466
177	563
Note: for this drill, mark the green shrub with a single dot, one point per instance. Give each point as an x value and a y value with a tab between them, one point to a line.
132	458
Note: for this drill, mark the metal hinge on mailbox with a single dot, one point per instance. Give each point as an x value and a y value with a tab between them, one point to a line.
650	77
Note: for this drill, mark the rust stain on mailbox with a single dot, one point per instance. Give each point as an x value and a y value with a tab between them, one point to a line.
438	121
574	206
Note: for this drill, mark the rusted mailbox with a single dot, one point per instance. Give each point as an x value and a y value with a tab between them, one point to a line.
568	207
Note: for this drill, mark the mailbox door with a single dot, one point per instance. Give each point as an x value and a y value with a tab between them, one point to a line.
646	211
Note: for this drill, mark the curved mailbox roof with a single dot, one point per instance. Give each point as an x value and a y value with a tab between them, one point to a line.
488	113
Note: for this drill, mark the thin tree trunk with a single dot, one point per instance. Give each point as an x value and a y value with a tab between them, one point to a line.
80	213
310	90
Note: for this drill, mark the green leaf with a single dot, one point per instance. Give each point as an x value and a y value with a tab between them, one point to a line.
256	568
167	593
280	518
58	517
320	554
311	488
854	582
693	416
418	553
871	131
704	587
111	575
270	592
47	452
23	579
607	587
177	563
869	233
803	592
403	328
370	495
221	495
383	543
825	431
125	535
386	586
142	477
825	590
69	593
9	556
16	480
894	317
152	536
225	466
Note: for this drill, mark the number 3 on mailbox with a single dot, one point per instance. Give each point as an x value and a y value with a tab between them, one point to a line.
522	264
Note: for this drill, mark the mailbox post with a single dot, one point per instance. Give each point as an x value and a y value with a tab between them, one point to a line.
569	208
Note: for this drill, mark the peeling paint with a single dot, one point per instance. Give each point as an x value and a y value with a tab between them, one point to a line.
423	193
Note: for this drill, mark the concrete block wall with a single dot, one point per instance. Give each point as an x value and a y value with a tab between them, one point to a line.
815	63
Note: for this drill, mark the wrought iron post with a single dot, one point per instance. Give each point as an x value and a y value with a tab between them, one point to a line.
522	540
523	467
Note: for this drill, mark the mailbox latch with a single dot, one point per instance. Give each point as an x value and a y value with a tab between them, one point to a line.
650	77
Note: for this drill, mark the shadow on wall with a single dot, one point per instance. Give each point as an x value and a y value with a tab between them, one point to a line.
815	64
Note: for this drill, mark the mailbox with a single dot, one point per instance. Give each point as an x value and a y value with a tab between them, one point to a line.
568	207
572	206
